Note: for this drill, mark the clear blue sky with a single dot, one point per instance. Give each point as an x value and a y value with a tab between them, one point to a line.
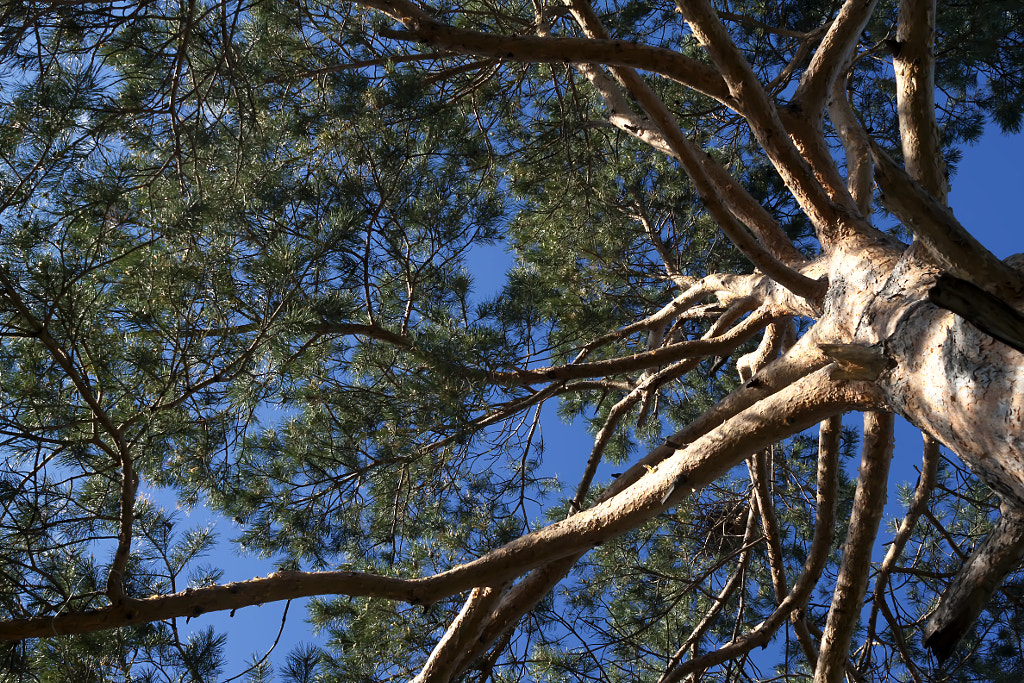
986	197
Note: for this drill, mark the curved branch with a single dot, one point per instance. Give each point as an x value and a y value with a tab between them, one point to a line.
821	546
549	49
914	62
464	630
974	584
716	185
784	413
801	360
851	584
831	57
941	234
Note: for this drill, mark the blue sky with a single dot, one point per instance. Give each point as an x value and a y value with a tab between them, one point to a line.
986	197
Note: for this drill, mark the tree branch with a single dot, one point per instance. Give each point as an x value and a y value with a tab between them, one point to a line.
784	413
830	58
851	584
974	584
942	236
550	49
856	147
914	62
643	360
464	630
719	191
832	221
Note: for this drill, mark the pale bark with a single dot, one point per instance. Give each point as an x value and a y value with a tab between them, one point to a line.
852	582
465	629
946	241
830	57
832	221
798	362
914	62
856	147
882	314
708	179
786	412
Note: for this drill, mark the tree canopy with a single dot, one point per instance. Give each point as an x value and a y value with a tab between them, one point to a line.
237	244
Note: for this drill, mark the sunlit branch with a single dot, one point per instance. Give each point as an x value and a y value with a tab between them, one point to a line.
701	169
528	592
714	186
851	584
831	220
938	230
829	436
464	630
856	147
648	384
665	136
784	413
725	286
914	62
830	58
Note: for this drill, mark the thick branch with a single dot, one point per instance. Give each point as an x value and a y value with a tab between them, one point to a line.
977	580
787	412
914	62
524	596
461	633
831	57
832	221
938	230
851	584
856	147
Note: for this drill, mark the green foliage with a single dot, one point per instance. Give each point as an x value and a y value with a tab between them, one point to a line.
237	242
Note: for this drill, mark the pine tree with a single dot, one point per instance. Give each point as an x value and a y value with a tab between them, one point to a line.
236	262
